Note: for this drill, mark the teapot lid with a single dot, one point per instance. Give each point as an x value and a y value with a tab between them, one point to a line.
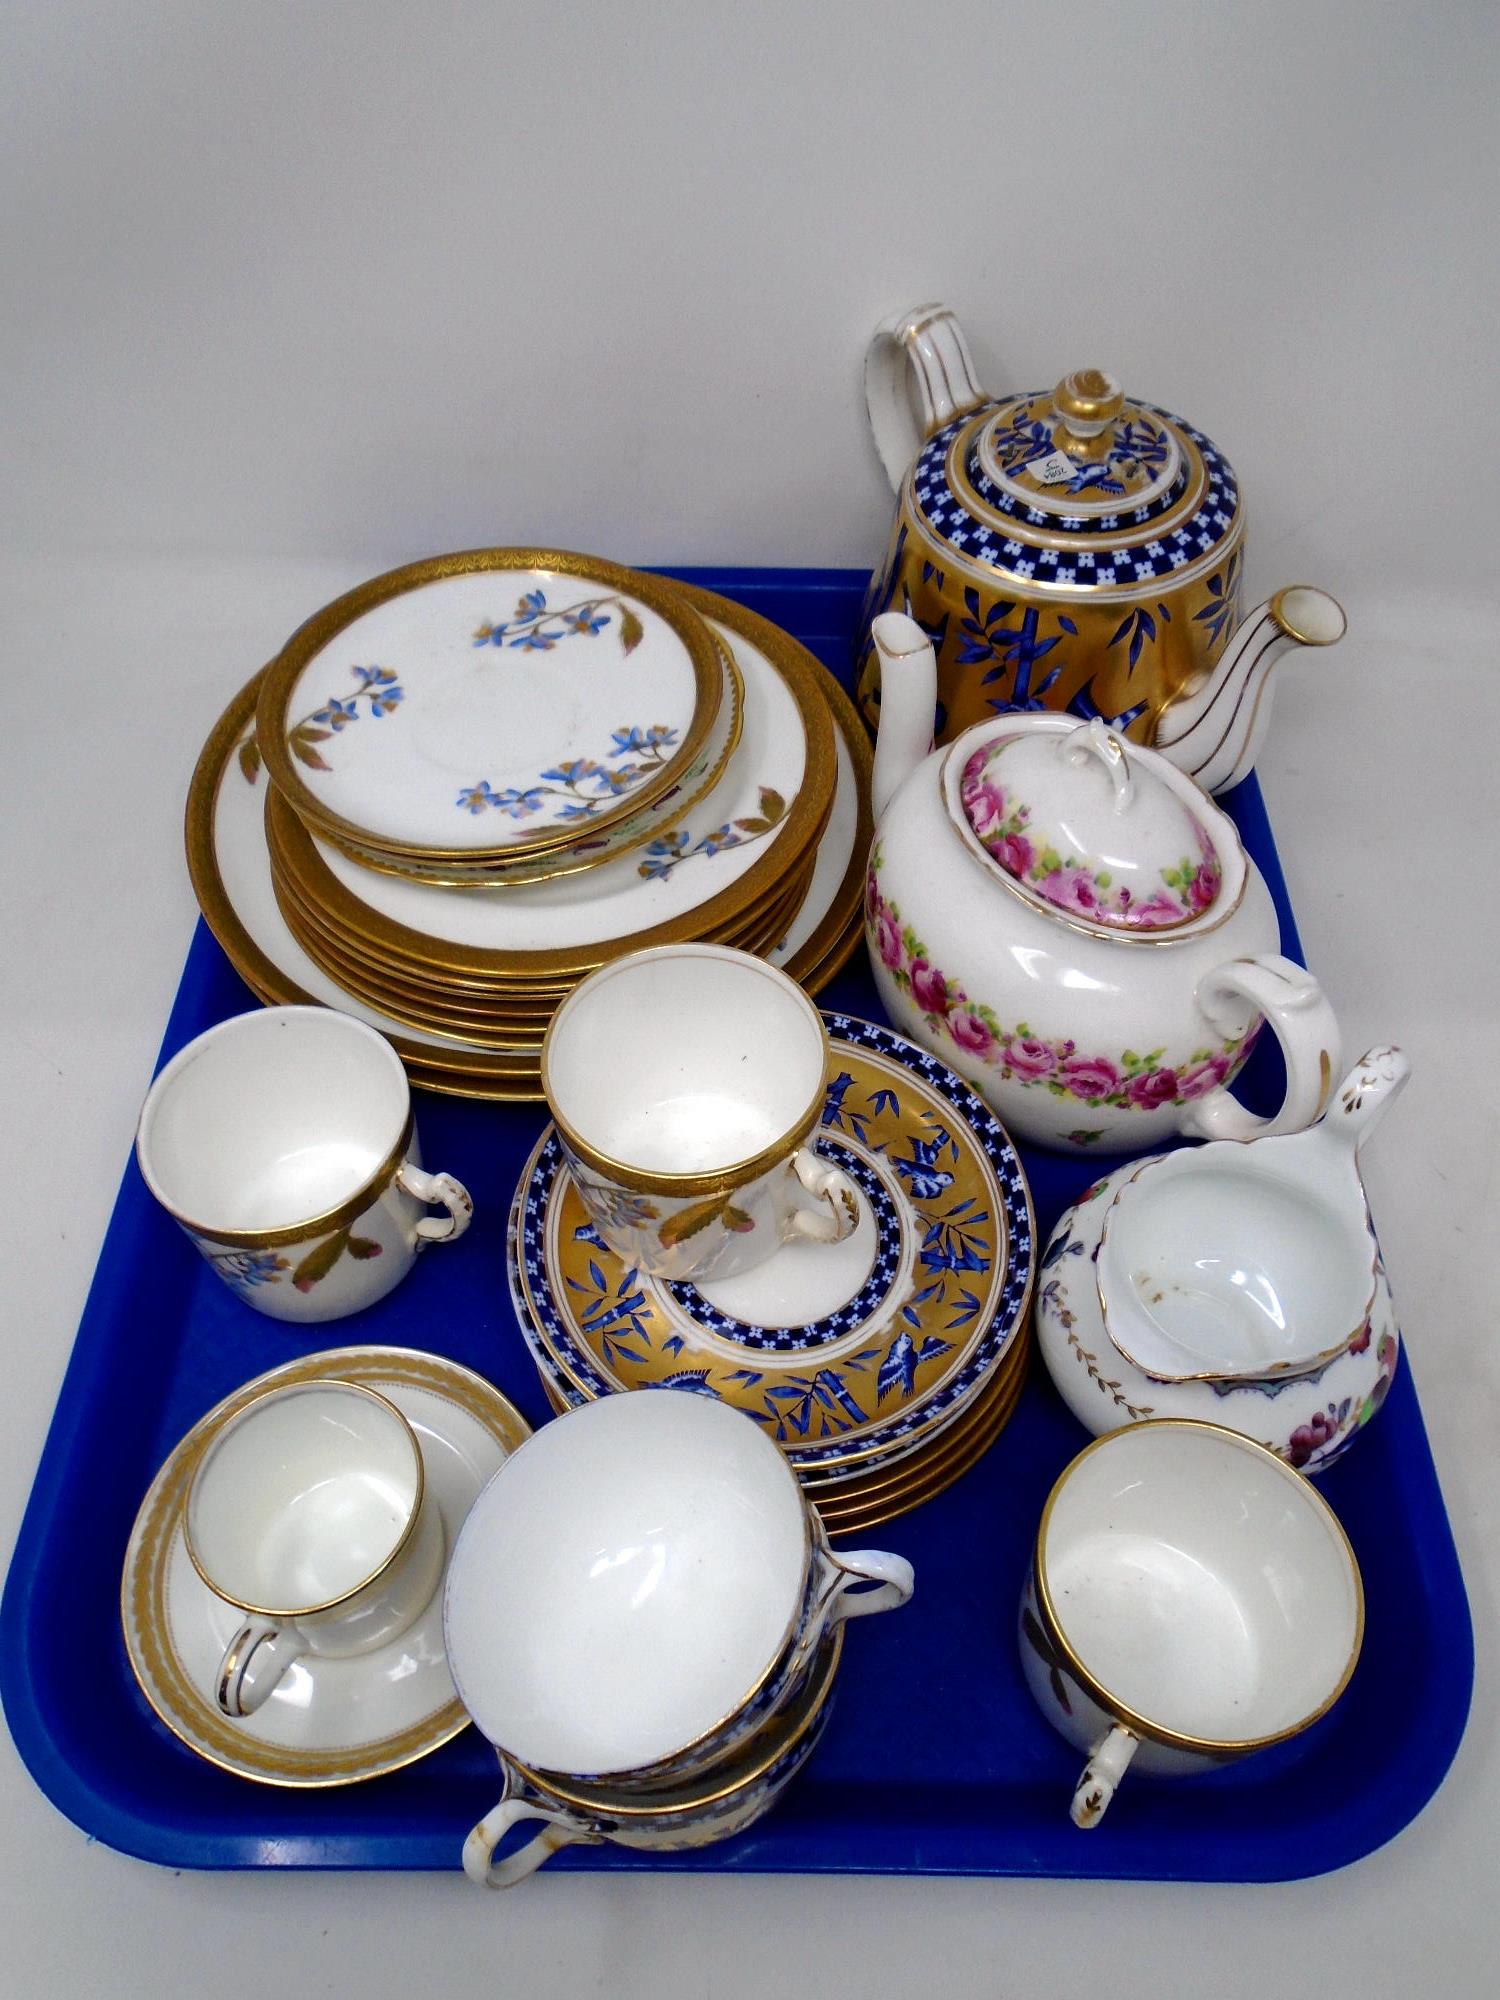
1078	487
1083	822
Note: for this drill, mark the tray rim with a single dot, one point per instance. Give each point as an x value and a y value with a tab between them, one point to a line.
802	1843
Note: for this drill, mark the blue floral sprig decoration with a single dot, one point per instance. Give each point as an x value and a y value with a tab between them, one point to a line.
532	628
583	783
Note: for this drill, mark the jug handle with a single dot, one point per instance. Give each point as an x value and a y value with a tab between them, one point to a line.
1365	1095
904	412
1301	1019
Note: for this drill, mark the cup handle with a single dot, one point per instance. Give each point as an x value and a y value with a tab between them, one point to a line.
254	1661
840	1217
480	1864
443	1191
1300	1017
1109	1760
891	1577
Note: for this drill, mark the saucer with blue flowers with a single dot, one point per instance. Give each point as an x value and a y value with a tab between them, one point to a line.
853	1355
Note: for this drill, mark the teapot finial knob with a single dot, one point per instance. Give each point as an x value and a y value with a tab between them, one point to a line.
1096	739
1086	404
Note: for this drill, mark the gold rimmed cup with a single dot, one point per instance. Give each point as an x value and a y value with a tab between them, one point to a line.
308	1513
283	1143
1192	1600
685	1084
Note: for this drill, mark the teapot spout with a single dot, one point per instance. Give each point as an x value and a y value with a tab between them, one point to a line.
908	700
1215	733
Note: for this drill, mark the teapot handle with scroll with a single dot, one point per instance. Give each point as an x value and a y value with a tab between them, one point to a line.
1297	1011
918	374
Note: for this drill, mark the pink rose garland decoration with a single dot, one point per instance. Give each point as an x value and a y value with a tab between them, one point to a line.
1133	1082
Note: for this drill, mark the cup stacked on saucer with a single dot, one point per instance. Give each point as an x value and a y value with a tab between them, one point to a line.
645	1619
804	1217
466	784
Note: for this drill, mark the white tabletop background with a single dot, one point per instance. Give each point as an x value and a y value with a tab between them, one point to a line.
289	294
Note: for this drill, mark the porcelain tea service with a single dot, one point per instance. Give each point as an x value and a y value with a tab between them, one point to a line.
309	1514
1071	550
284	1144
674	1608
685	1084
1072	924
809	1237
1238	1284
1191	1600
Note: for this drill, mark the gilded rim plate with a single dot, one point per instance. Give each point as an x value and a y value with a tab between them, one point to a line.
830	922
749	836
493	703
331	1722
594	844
847	1354
229	864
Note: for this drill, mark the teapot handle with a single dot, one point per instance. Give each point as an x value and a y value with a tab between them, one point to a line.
1297	1009
903	414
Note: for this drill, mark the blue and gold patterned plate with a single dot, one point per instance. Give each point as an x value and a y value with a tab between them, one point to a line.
851	1355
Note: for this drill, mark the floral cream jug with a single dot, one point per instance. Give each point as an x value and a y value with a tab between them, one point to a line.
1235	1285
1075	551
1072	924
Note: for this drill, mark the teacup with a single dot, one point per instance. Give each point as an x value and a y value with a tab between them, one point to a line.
690	1814
686	1084
308	1512
670	1611
1191	1600
283	1142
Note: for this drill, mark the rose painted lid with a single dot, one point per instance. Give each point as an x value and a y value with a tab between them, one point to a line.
1081	821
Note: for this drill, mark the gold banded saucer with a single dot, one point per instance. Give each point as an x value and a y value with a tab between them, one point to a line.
420	718
809	927
331	1721
854	1357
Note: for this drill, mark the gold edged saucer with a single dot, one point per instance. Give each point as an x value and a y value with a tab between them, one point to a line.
332	1721
292	746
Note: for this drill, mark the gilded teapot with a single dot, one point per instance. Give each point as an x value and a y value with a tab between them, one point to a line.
1071	550
1072	924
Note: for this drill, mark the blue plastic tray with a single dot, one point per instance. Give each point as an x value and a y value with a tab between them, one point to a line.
935	1761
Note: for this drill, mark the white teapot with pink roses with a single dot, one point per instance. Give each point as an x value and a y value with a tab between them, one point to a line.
1070	922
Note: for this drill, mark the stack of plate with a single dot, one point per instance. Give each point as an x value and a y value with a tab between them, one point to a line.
884	1365
468	783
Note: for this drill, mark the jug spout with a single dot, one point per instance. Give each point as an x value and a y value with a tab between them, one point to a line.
1215	733
908	699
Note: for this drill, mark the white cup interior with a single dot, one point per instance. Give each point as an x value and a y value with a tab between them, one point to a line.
1223	1265
686	1060
271	1119
1201	1583
624	1582
303	1497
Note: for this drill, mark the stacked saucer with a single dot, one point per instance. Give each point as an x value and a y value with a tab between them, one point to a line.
727	799
884	1365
